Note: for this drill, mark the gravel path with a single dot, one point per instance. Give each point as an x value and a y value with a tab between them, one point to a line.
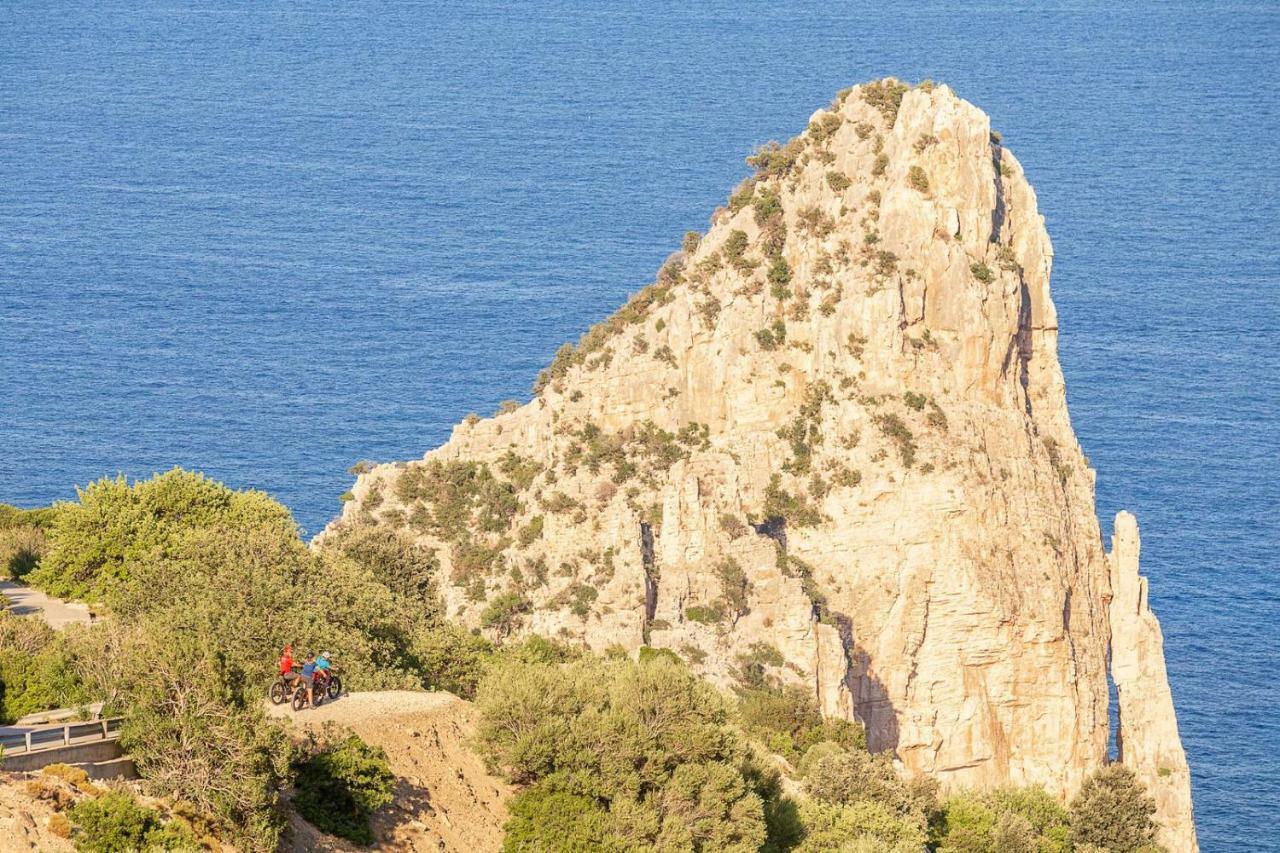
352	708
25	601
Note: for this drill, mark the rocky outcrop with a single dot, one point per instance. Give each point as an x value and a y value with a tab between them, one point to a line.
830	444
1148	737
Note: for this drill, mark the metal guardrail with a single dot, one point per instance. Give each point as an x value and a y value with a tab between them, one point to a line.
37	738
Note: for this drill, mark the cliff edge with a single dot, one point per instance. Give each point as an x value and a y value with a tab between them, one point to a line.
829	445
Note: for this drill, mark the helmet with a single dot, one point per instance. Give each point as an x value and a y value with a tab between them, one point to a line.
324	654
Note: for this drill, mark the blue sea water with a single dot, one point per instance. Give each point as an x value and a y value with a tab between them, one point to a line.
267	239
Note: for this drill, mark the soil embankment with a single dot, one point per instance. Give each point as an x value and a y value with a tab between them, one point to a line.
445	799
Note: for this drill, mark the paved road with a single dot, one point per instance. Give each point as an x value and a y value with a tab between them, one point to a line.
23	600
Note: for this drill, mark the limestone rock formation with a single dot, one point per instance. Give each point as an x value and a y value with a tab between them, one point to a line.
830	444
1148	736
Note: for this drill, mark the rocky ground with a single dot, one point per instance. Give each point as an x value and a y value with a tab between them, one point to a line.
25	819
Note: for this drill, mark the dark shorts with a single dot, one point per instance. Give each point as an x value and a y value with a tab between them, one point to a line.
307	679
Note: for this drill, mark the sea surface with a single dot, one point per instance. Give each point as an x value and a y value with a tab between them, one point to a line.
266	239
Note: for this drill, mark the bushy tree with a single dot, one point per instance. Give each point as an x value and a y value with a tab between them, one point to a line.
1113	810
1017	820
195	735
637	754
863	825
787	720
393	558
21	547
95	542
452	658
544	818
845	777
340	785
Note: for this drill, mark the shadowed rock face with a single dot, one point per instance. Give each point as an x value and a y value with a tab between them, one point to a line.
834	433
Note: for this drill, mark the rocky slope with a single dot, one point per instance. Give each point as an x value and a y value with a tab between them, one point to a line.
444	797
830	442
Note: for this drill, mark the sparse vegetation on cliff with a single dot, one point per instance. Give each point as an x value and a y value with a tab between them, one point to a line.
893	427
885	96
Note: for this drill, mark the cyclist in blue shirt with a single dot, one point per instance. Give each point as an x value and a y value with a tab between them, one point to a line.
308	674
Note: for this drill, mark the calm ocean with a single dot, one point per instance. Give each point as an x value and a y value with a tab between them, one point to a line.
268	239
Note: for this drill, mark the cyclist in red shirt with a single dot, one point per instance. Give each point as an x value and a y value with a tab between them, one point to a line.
286	662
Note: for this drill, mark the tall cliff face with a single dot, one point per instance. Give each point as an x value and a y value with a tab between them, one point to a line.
831	444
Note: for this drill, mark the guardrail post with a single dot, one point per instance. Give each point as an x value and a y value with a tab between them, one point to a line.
28	740
104	728
66	735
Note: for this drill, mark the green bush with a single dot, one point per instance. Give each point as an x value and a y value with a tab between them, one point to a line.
787	720
619	755
860	827
893	427
339	787
779	277
453	658
532	531
766	204
917	179
838	181
794	509
1012	819
735	245
503	613
824	128
735	588
982	273
195	734
36	672
543	818
886	96
709	614
393	558
1113	810
773	160
95	543
772	337
115	822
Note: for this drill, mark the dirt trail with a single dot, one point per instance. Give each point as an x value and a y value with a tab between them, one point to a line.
23	601
445	800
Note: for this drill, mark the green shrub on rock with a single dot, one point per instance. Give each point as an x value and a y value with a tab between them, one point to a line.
115	822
